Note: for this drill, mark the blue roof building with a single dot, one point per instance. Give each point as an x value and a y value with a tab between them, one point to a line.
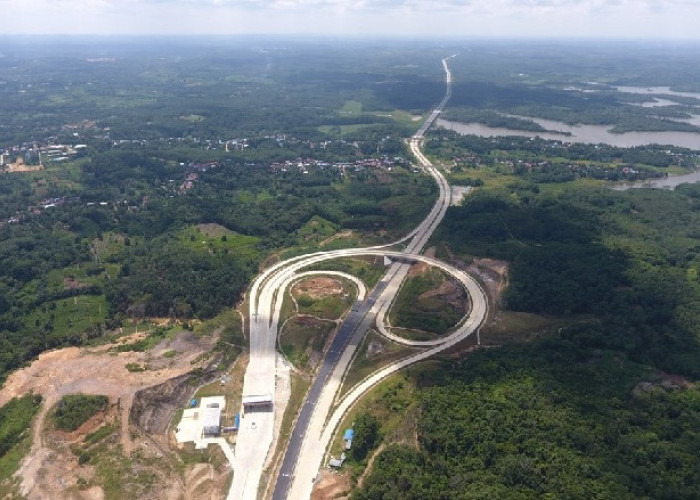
347	437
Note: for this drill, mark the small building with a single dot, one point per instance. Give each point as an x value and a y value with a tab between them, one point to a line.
348	437
337	462
259	401
211	408
211	422
200	423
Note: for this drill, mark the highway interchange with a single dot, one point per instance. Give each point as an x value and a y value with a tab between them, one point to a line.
315	425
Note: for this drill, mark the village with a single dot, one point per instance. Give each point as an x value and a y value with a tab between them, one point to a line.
36	156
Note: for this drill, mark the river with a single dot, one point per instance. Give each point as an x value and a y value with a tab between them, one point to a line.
657	90
669	182
589	134
594	134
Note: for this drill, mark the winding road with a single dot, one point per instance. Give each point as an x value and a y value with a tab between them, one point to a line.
314	428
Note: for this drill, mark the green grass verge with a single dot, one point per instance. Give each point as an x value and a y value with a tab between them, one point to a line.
303	336
374	352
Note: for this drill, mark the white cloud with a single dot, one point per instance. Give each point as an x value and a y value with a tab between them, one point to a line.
530	18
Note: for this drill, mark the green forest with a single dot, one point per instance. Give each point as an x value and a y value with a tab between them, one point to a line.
174	170
129	262
606	406
555	419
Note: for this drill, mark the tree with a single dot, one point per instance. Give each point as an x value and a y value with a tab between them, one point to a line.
367	436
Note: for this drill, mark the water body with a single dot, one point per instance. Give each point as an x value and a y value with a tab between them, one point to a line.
693	120
669	182
587	134
656	103
657	90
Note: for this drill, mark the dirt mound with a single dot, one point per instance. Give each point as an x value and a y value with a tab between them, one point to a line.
318	287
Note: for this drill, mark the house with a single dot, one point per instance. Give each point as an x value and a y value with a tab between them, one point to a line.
211	421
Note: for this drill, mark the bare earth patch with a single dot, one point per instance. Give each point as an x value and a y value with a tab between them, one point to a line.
449	292
318	287
492	273
420	268
21	167
331	485
212	230
72	283
341	235
47	472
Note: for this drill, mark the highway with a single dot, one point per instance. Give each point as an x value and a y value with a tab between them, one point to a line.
352	321
311	434
318	435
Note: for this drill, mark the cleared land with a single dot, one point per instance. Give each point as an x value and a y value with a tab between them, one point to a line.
108	456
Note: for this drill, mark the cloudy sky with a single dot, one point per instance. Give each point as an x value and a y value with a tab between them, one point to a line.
656	19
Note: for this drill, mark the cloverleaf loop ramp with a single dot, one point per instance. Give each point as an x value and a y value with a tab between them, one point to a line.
315	424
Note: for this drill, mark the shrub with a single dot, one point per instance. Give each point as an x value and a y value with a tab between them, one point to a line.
73	410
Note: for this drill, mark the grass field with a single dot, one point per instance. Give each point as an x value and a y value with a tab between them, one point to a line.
369	270
301	337
374	352
228	321
417	309
214	238
351	108
343	129
70	316
317	230
330	306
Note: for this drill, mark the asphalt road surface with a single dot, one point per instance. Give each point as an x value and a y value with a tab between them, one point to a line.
341	340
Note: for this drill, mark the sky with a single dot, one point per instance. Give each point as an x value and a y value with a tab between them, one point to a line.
601	19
